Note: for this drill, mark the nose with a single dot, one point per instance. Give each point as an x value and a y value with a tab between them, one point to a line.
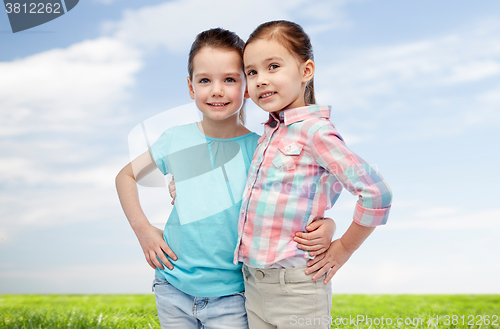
262	81
217	90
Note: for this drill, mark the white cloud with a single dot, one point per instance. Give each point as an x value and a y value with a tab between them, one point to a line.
425	78
63	89
175	24
105	2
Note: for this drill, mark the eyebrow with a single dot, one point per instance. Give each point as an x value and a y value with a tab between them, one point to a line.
274	59
270	59
227	74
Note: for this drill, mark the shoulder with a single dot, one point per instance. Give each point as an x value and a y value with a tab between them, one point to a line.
250	140
177	134
325	127
313	128
179	131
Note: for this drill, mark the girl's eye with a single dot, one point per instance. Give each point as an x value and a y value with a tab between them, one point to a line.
230	80
252	72
273	66
204	80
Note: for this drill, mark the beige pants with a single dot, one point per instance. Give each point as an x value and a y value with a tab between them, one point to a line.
286	298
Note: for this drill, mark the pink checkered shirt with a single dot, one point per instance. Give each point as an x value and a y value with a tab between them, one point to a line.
298	170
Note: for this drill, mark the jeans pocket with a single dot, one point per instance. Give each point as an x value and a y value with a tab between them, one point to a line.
159	282
241	293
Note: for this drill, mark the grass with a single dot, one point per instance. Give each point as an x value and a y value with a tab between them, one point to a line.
139	311
78	311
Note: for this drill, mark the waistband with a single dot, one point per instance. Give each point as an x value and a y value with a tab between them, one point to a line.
279	275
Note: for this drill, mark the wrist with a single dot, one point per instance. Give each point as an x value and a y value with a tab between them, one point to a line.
347	247
140	226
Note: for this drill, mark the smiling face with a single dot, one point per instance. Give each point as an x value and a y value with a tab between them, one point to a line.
218	83
276	79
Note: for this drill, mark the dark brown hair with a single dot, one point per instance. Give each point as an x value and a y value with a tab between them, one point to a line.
217	38
291	36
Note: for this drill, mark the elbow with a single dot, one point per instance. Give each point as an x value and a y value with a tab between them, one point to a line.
121	176
386	197
118	178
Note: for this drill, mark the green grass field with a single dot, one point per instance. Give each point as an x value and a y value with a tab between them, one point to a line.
349	311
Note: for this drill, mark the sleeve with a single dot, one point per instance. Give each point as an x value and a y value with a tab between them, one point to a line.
160	149
355	174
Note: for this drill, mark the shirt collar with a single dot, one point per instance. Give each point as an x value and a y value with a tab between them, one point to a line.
301	113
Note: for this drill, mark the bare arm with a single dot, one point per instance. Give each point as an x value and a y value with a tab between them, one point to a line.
150	237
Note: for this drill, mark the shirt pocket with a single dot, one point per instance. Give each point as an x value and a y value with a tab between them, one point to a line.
288	155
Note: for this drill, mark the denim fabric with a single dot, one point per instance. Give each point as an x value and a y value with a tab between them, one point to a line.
179	310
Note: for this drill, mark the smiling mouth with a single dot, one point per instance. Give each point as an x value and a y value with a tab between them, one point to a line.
218	104
267	94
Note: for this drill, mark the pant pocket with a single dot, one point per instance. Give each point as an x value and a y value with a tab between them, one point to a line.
307	290
158	282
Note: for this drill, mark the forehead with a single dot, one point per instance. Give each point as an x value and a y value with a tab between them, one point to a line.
217	59
262	49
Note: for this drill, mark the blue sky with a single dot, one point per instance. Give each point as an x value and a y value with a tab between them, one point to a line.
414	89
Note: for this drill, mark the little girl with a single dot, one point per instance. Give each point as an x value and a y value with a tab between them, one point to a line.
297	172
210	161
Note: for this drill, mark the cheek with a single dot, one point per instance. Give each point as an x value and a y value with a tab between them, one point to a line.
200	94
252	91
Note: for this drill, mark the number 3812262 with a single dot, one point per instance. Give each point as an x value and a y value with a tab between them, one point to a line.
33	8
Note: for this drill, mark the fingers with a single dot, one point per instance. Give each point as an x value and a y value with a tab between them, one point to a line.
316	264
314	225
309	236
165	261
310	239
150	262
166	249
156	258
153	260
307	244
321	271
313	261
307	241
329	276
316	267
318	251
313	250
171	189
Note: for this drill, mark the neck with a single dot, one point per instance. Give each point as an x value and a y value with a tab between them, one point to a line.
224	129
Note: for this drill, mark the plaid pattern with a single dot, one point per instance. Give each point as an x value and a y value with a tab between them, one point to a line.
299	168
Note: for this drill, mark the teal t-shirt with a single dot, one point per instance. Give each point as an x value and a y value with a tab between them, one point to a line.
210	176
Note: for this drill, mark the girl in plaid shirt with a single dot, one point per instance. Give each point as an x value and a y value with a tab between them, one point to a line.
197	284
299	168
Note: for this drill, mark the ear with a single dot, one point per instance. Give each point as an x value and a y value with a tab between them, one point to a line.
191	89
246	94
308	70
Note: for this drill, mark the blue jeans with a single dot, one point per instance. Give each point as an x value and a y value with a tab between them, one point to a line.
179	310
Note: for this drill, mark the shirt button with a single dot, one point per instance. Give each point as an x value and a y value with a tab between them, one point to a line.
259	275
